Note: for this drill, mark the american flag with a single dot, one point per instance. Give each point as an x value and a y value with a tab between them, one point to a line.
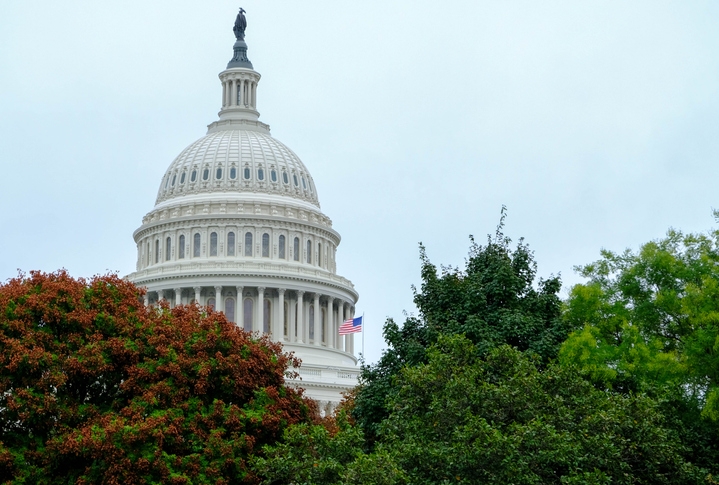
353	325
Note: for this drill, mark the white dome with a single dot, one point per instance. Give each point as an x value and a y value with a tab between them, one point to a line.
234	162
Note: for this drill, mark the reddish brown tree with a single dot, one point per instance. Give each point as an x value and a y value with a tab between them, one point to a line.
97	388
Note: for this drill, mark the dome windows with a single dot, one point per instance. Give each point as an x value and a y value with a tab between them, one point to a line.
213	244
167	182
304	185
296	249
265	245
206	174
247	173
181	248
282	247
260	174
218	173
285	179
174	178
248	244
230	243
309	252
182	178
233	173
193	177
294	178
168	248
273	175
196	245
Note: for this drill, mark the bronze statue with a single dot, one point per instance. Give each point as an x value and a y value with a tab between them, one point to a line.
240	25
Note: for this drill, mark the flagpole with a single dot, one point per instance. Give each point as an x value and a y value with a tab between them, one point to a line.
363	324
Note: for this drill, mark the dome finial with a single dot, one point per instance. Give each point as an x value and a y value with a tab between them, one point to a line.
239	58
240	25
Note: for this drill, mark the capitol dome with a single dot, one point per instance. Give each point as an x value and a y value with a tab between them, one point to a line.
237	226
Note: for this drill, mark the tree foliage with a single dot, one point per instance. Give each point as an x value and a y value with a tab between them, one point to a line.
495	300
97	388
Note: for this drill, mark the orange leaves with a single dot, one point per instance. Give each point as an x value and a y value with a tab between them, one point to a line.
97	388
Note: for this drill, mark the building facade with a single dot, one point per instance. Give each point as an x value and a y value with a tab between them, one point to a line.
237	226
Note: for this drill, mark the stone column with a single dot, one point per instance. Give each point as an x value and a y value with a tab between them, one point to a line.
161	295
146	298
260	327
298	317
343	338
197	294
218	296
178	296
240	308
280	334
330	322
351	337
233	92
318	320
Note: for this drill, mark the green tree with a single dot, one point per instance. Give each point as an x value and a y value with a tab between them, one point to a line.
495	300
648	321
97	388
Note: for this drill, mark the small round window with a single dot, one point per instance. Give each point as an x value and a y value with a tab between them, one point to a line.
247	173
218	174
304	185
294	177
174	178
206	174
233	173
285	179
260	174
273	175
193	177
182	178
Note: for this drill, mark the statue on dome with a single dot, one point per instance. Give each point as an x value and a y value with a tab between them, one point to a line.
240	25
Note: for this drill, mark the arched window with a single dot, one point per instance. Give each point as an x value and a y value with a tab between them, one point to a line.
296	248
196	245
174	178
282	247
285	179
248	244
211	303
260	174
323	324
248	314
168	248
181	248
147	255
265	245
206	174
233	173
273	175
319	254
286	323
312	322
267	316
157	251
304	185
309	252
213	244
230	309
182	178
218	174
247	173
193	176
230	243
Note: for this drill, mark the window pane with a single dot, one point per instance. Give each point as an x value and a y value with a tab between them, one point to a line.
181	249
193	177
233	173
196	244
267	316
248	314
182	178
211	303
304	185
230	309
285	179
157	251
282	247
230	243
265	245
273	175
174	177
296	248
247	173
218	174
248	244
294	177
309	252
168	248
260	174
206	174
319	254
213	244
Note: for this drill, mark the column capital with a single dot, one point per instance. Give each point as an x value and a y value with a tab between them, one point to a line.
281	291
177	290
197	288
218	291
261	289
239	290
300	294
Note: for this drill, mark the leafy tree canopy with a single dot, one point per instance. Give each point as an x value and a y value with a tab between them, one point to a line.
651	318
491	417
496	299
97	388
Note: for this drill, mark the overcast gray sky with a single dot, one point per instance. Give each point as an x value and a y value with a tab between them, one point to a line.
596	123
